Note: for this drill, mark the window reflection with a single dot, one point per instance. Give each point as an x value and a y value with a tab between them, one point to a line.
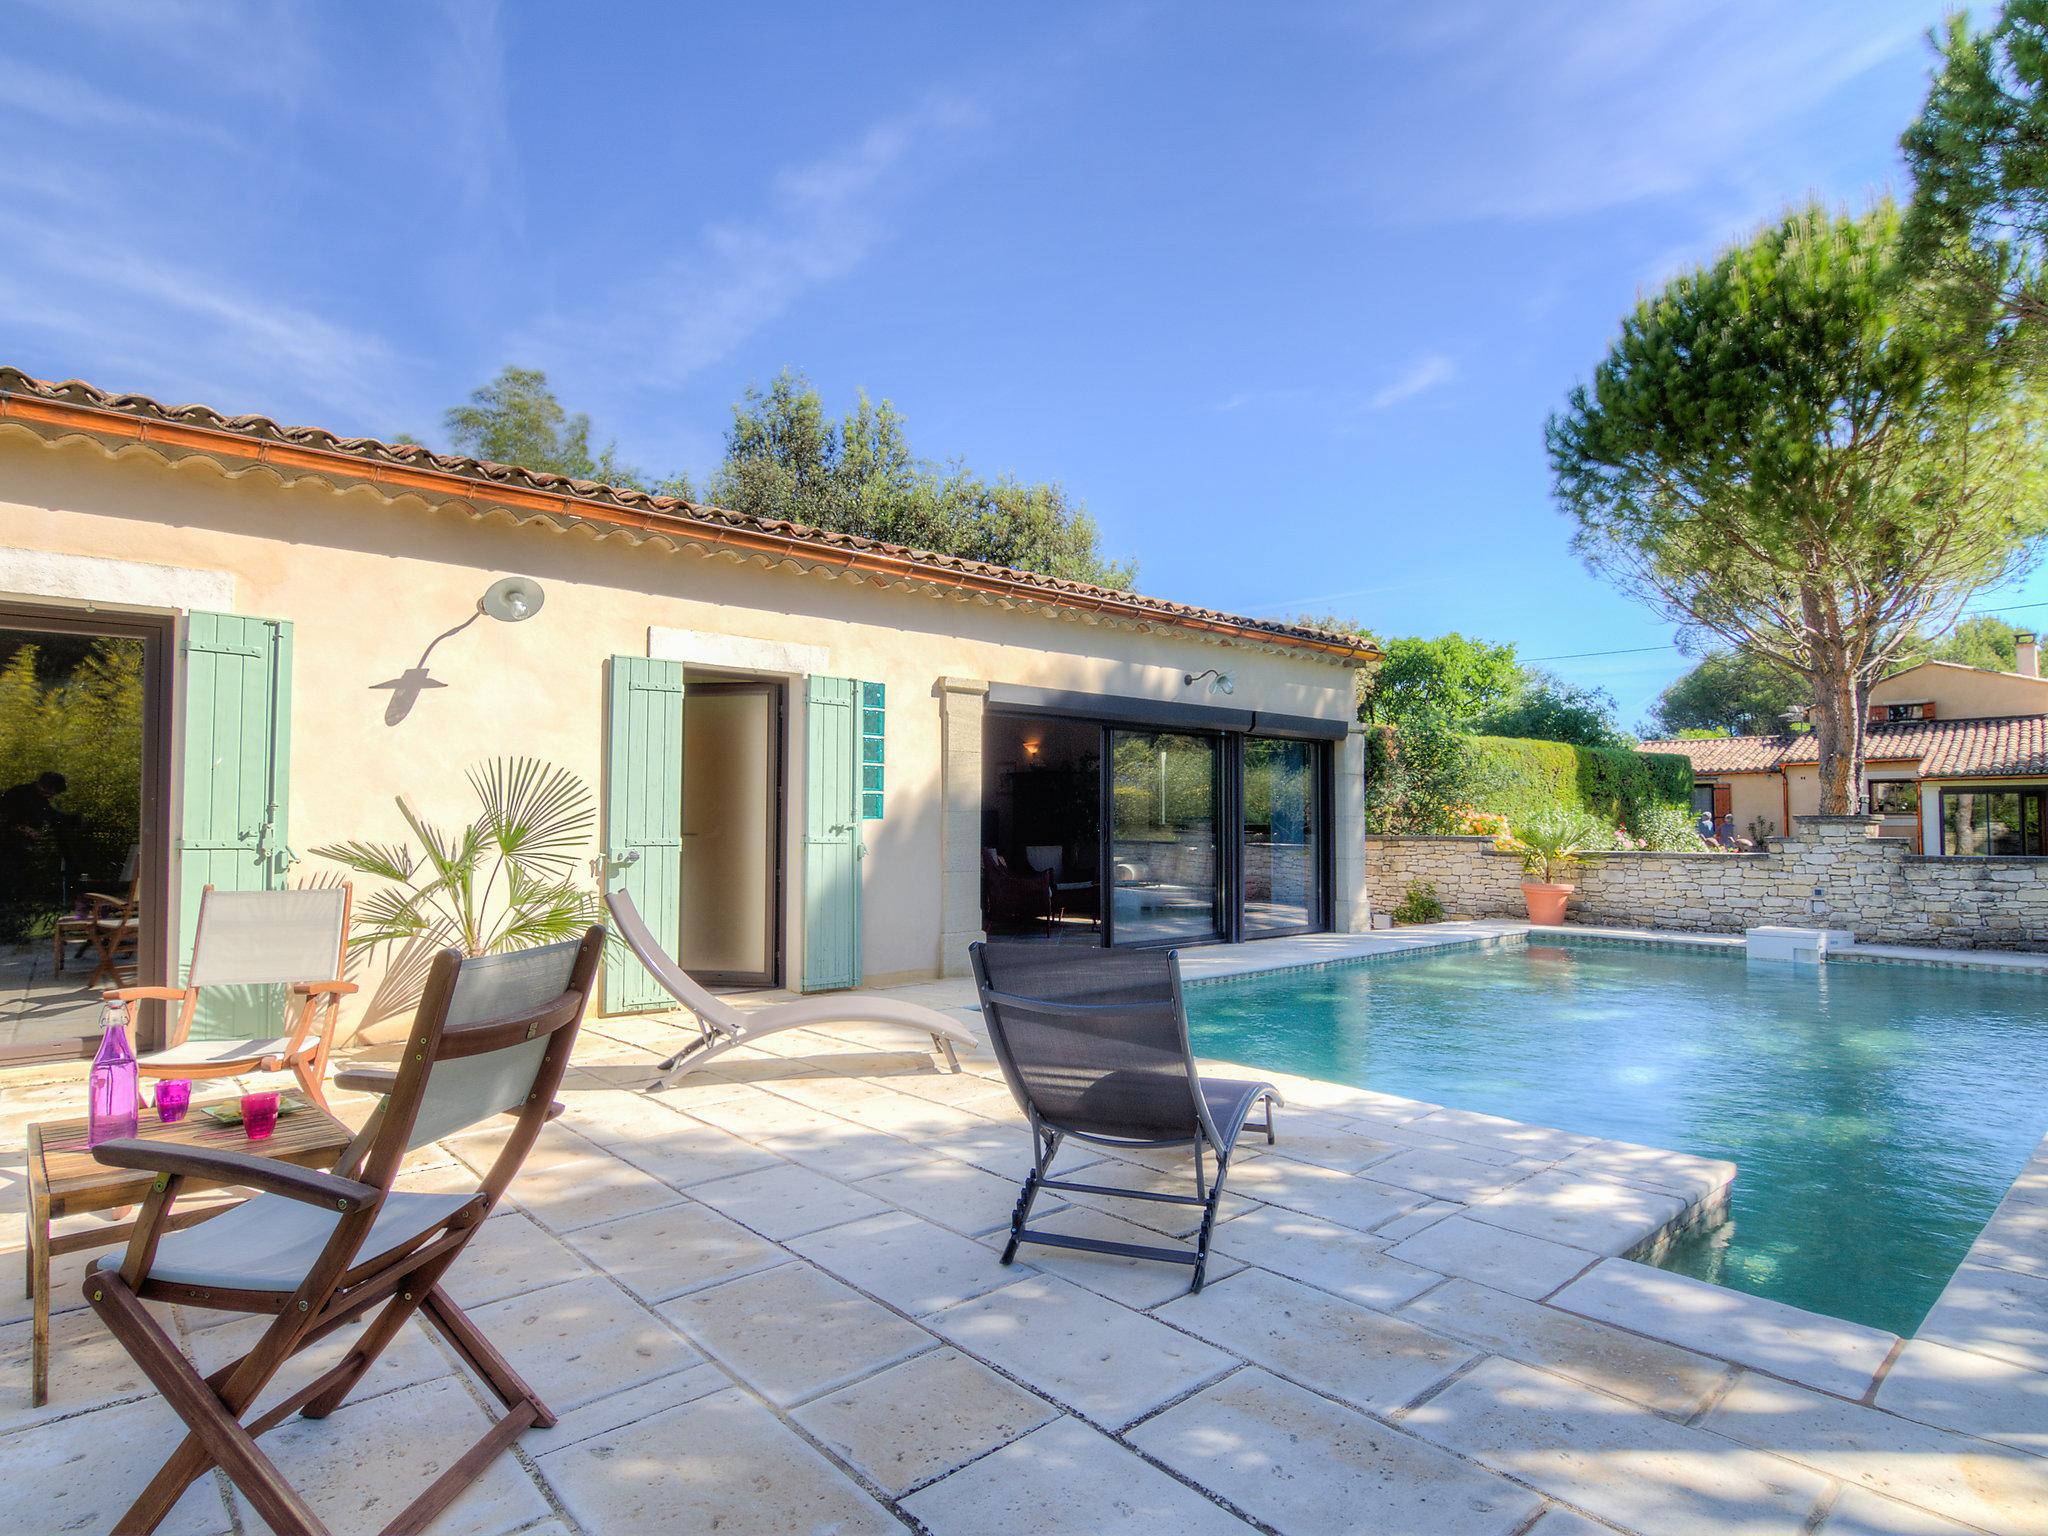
1163	837
1280	832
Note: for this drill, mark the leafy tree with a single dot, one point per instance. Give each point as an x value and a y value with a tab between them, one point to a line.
1451	677
1978	642
1416	774
1550	709
786	458
516	419
1730	693
1807	451
1979	156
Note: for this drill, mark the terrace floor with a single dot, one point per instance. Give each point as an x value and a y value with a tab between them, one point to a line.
769	1301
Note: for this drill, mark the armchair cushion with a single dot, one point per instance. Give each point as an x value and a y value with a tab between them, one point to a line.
220	1053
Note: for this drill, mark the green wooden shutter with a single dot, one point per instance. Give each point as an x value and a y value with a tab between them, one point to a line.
832	846
644	818
235	812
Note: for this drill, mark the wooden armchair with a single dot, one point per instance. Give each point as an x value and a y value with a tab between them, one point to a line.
257	939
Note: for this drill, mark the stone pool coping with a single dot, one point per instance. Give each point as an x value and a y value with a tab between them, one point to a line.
781	1277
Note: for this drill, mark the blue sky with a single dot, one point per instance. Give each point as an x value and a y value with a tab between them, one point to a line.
1283	292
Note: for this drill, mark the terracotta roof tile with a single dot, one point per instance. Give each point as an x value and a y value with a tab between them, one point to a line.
1049	589
2000	747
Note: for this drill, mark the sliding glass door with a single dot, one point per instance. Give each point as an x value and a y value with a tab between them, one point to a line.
1165	875
1282	822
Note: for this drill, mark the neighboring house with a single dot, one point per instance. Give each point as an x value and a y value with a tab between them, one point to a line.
821	759
1956	762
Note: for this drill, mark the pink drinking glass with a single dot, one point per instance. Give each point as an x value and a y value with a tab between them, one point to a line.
259	1114
173	1098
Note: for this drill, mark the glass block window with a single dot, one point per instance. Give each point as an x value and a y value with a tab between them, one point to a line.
873	710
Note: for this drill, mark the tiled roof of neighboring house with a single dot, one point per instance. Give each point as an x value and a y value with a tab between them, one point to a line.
408	468
2001	747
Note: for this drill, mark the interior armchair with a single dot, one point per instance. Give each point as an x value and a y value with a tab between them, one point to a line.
297	940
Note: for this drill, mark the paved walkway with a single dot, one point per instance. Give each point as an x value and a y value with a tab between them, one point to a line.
769	1301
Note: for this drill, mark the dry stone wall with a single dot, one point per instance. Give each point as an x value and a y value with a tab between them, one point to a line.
1834	872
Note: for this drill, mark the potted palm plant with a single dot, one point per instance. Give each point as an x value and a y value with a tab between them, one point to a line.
1549	845
507	880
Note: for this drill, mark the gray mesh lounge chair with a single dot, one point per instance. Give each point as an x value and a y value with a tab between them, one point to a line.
1094	1043
722	1027
314	1252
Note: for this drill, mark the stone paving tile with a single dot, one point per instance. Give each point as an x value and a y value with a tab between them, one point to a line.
1350	1200
1818	1351
84	1482
793	1332
920	1420
2016	1238
691	1153
1952	1475
1134	1282
910	1116
721	1463
510	1255
954	1195
1304	1465
1626	1162
786	1201
1325	1140
1580	1213
1066	1480
1528	1266
1421	1219
363	1464
911	1264
615	1410
1537	1141
964	1090
413	1357
1448	1176
1857	1513
582	1340
675	1249
586	1192
1671	1380
1361	1357
1102	1360
1559	1521
1993	1312
87	1370
1614	1459
1976	1394
1319	1253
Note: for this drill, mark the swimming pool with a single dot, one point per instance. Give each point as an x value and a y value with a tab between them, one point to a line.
1876	1113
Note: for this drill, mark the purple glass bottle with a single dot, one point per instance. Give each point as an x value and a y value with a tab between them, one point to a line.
116	1095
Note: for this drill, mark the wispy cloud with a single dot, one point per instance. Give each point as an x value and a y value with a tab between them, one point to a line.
1545	112
820	220
1421	376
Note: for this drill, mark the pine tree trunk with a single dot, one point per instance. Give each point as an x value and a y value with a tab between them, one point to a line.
1838	732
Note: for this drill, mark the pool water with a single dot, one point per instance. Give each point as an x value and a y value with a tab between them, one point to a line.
1877	1114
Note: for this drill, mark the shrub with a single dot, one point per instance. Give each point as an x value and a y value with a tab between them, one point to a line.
1415	778
1420	905
1519	778
1670	829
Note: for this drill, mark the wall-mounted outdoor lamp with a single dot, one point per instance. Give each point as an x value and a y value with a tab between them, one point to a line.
1219	682
510	600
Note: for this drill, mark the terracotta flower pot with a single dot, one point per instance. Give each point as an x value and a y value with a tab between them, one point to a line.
1545	902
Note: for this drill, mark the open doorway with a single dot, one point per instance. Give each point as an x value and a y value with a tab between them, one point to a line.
82	768
732	832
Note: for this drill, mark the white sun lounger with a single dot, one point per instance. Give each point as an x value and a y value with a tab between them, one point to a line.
722	1027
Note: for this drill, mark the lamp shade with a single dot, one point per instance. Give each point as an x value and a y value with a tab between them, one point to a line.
514	598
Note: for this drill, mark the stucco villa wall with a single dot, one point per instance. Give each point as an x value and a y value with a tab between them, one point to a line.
1964	693
368	583
1835	872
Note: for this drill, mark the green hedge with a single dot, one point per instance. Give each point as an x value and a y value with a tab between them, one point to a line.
1517	778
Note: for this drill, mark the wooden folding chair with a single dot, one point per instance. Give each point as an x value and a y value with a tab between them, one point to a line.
316	1251
295	939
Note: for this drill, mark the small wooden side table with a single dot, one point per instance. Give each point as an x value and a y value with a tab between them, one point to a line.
65	1179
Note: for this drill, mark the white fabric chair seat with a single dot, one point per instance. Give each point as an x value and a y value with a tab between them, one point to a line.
213	1053
268	1243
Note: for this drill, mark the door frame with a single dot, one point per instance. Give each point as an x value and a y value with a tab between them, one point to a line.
777	691
159	635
